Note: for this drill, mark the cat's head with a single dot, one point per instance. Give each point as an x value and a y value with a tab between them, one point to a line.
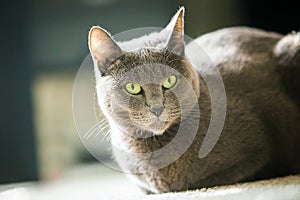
148	88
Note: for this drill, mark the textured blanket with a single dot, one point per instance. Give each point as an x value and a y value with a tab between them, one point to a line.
287	188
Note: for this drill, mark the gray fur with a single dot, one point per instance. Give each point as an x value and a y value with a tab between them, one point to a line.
261	136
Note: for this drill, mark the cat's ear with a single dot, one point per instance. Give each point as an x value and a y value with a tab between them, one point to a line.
176	39
103	48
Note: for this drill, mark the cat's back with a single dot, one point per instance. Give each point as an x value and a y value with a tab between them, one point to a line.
245	59
260	69
238	43
254	59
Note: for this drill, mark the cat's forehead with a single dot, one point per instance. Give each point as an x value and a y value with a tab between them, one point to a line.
145	63
148	73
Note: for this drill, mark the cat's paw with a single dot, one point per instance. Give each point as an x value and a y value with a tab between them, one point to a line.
287	50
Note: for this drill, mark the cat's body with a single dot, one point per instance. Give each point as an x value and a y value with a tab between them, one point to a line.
261	134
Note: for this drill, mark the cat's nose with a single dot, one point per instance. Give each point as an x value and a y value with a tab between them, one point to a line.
157	109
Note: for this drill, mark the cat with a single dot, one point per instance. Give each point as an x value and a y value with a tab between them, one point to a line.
261	134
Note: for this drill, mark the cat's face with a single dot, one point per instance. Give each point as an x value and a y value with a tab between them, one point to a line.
146	89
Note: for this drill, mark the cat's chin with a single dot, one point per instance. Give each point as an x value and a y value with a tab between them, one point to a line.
158	127
157	131
160	132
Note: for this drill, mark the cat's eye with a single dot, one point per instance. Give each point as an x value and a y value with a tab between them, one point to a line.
133	88
169	82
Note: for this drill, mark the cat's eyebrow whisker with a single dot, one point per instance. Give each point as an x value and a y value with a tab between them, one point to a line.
173	61
167	56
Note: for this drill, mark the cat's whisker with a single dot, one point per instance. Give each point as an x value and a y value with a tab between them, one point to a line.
189	116
91	131
101	130
107	136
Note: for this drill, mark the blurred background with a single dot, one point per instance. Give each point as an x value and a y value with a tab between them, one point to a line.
43	43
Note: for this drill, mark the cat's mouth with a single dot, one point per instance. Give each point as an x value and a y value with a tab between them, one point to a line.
155	124
158	126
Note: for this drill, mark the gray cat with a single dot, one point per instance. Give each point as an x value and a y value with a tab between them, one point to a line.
144	90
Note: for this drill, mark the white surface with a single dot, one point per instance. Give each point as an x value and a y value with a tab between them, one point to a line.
88	182
97	182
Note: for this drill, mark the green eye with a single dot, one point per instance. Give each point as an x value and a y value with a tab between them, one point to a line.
169	82
133	88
